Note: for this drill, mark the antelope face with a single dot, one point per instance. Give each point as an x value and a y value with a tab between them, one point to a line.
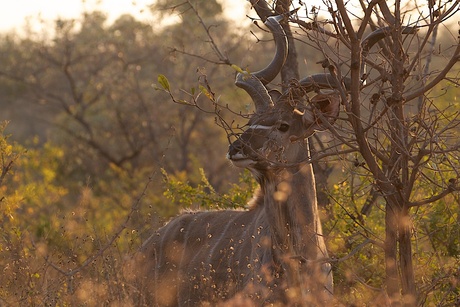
266	141
275	137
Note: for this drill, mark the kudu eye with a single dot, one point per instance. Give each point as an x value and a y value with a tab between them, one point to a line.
283	127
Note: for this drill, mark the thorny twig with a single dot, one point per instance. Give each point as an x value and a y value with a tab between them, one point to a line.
214	46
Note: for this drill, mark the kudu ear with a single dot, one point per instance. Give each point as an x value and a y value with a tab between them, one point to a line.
324	108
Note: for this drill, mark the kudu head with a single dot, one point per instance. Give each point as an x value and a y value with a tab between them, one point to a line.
276	133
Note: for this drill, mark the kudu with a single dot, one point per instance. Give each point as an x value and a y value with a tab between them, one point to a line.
275	251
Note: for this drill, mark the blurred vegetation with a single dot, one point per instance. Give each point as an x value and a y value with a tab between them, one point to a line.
93	158
85	147
356	240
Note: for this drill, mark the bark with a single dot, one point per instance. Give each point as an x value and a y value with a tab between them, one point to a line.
290	70
400	164
391	263
409	290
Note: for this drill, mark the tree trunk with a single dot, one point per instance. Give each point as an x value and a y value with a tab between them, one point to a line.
290	69
391	263
409	290
399	164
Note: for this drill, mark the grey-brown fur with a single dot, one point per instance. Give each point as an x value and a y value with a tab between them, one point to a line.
271	253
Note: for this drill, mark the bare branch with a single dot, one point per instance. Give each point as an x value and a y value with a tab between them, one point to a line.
453	60
452	187
262	9
347	21
215	48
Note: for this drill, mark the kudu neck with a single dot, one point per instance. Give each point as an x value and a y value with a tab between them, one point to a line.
292	213
293	186
299	170
290	204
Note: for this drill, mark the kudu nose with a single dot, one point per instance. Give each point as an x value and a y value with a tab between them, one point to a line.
235	148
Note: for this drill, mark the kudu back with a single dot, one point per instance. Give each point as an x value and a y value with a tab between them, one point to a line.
274	252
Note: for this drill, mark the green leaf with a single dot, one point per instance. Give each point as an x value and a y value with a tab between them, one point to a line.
206	92
163	82
238	69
